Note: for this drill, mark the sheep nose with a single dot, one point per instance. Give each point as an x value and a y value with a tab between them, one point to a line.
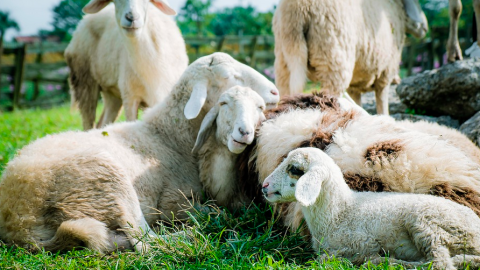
265	185
130	17
243	132
274	92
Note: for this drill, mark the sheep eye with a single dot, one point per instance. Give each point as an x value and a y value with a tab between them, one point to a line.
223	103
292	184
261	108
293	170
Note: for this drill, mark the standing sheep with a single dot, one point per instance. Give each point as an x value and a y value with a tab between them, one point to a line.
85	188
346	45
132	53
412	229
218	153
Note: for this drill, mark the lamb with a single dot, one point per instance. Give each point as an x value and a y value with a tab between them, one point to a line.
86	188
346	45
131	52
412	229
218	153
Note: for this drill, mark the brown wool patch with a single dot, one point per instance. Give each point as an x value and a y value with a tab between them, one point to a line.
331	122
381	151
468	197
248	176
365	183
315	100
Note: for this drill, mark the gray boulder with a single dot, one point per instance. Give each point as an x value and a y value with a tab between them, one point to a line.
471	128
394	103
442	120
453	89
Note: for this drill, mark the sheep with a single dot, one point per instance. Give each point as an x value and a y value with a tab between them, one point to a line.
453	46
218	153
85	188
376	153
346	45
131	52
411	228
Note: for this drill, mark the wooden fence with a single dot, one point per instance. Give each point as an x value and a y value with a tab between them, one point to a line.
28	72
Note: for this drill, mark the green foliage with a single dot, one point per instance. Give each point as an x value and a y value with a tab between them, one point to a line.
7	23
66	16
195	18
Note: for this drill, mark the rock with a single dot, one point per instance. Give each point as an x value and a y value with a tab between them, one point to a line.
395	106
471	128
442	120
453	89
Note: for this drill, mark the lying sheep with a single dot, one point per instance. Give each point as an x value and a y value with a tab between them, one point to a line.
375	152
346	45
220	140
131	52
86	188
412	229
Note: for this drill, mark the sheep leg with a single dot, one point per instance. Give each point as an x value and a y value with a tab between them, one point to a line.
131	108
381	99
355	95
476	7
282	74
461	261
391	261
453	46
112	106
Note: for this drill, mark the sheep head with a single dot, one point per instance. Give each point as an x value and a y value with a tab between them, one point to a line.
131	15
238	112
300	176
218	72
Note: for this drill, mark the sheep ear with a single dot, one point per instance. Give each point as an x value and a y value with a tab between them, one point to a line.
206	128
164	6
308	188
95	6
196	101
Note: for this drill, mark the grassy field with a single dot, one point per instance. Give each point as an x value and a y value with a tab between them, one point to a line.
248	239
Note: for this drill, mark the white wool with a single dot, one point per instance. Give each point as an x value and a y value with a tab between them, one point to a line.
128	69
128	175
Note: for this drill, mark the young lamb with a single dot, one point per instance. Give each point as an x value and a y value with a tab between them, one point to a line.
410	228
218	153
346	45
131	52
85	188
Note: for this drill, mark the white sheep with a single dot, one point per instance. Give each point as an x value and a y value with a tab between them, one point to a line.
409	228
131	52
85	188
220	140
352	46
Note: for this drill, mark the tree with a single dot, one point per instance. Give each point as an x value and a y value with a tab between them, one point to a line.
193	16
66	16
6	23
241	21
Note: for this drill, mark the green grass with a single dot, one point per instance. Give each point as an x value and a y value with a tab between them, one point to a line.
252	238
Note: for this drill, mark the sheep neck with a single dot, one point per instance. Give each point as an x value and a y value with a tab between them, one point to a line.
141	49
170	123
335	196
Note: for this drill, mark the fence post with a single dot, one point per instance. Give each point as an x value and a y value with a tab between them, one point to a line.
36	81
18	80
411	57
252	53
